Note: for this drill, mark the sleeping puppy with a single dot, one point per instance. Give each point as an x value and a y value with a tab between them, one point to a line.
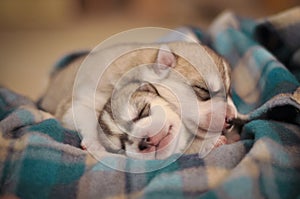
146	101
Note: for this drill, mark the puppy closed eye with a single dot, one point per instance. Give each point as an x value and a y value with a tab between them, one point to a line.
201	92
143	112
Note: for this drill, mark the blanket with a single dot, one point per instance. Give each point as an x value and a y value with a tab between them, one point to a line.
41	159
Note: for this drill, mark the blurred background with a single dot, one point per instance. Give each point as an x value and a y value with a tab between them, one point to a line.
34	34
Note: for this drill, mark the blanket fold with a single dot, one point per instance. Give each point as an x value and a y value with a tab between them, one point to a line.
41	159
280	35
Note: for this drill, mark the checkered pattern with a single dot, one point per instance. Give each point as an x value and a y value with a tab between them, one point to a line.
41	159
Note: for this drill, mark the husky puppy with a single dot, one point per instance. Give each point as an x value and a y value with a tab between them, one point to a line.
146	101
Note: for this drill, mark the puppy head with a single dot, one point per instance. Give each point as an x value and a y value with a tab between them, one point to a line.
146	128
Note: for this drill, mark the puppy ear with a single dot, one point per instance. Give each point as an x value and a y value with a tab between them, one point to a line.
164	61
165	57
148	87
227	73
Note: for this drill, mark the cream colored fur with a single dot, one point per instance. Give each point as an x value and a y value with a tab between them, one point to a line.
77	95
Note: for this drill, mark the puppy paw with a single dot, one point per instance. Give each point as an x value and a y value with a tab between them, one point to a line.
221	141
91	145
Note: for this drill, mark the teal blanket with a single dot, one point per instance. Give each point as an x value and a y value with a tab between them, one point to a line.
41	159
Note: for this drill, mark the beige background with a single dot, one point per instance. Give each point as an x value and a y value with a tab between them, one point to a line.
35	34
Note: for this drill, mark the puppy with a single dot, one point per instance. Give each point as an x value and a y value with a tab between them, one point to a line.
146	101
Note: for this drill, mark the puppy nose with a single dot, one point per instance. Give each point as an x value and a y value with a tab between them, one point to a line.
230	115
145	143
227	124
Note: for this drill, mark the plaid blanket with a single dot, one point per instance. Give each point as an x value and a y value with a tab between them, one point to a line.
41	159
